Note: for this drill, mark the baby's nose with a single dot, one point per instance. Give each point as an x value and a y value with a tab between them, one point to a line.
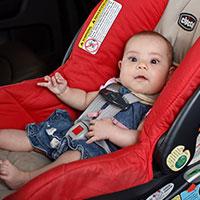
142	65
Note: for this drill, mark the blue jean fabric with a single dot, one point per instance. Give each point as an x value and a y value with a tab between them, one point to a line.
132	117
50	136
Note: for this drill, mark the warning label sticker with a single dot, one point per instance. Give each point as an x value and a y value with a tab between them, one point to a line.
99	26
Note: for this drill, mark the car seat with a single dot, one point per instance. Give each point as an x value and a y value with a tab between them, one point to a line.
172	176
89	65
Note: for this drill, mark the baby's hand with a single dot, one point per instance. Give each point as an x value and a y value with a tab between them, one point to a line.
99	130
56	84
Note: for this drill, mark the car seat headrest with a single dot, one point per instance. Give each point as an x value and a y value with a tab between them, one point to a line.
180	25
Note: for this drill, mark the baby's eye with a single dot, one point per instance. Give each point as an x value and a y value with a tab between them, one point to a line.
133	59
155	61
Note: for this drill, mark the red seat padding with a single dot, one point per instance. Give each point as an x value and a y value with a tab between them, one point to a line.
128	167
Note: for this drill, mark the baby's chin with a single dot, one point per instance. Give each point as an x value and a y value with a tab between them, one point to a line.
140	90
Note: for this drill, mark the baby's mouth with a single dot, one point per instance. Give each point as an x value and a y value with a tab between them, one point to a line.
141	77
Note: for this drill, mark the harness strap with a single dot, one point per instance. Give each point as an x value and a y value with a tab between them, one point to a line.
111	110
117	102
95	106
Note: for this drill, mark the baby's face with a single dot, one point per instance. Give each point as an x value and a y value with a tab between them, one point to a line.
145	64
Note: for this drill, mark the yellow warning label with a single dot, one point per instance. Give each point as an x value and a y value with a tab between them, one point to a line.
92	23
99	26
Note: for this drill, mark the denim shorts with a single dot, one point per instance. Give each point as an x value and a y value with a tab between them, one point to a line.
50	137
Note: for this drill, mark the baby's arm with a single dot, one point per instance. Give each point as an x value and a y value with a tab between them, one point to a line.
105	129
76	98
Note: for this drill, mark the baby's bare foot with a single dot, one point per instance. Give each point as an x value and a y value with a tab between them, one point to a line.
13	177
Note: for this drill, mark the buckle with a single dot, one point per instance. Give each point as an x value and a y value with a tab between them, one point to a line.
114	98
78	131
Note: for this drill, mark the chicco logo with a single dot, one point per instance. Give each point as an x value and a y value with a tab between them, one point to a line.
187	21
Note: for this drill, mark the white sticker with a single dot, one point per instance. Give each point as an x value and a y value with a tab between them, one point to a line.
99	26
54	143
51	131
162	193
197	152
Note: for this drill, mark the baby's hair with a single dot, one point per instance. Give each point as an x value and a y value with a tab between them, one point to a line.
156	34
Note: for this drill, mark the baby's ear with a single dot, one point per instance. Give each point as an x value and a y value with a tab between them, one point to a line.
119	64
171	71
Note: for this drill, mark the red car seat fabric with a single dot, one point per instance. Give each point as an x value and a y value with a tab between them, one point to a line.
82	70
25	102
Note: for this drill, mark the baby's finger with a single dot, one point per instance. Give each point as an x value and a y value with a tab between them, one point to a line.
54	82
90	134
92	122
92	127
91	140
59	77
47	78
3	172
43	84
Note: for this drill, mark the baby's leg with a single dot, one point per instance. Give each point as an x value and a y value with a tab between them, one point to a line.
14	140
16	178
